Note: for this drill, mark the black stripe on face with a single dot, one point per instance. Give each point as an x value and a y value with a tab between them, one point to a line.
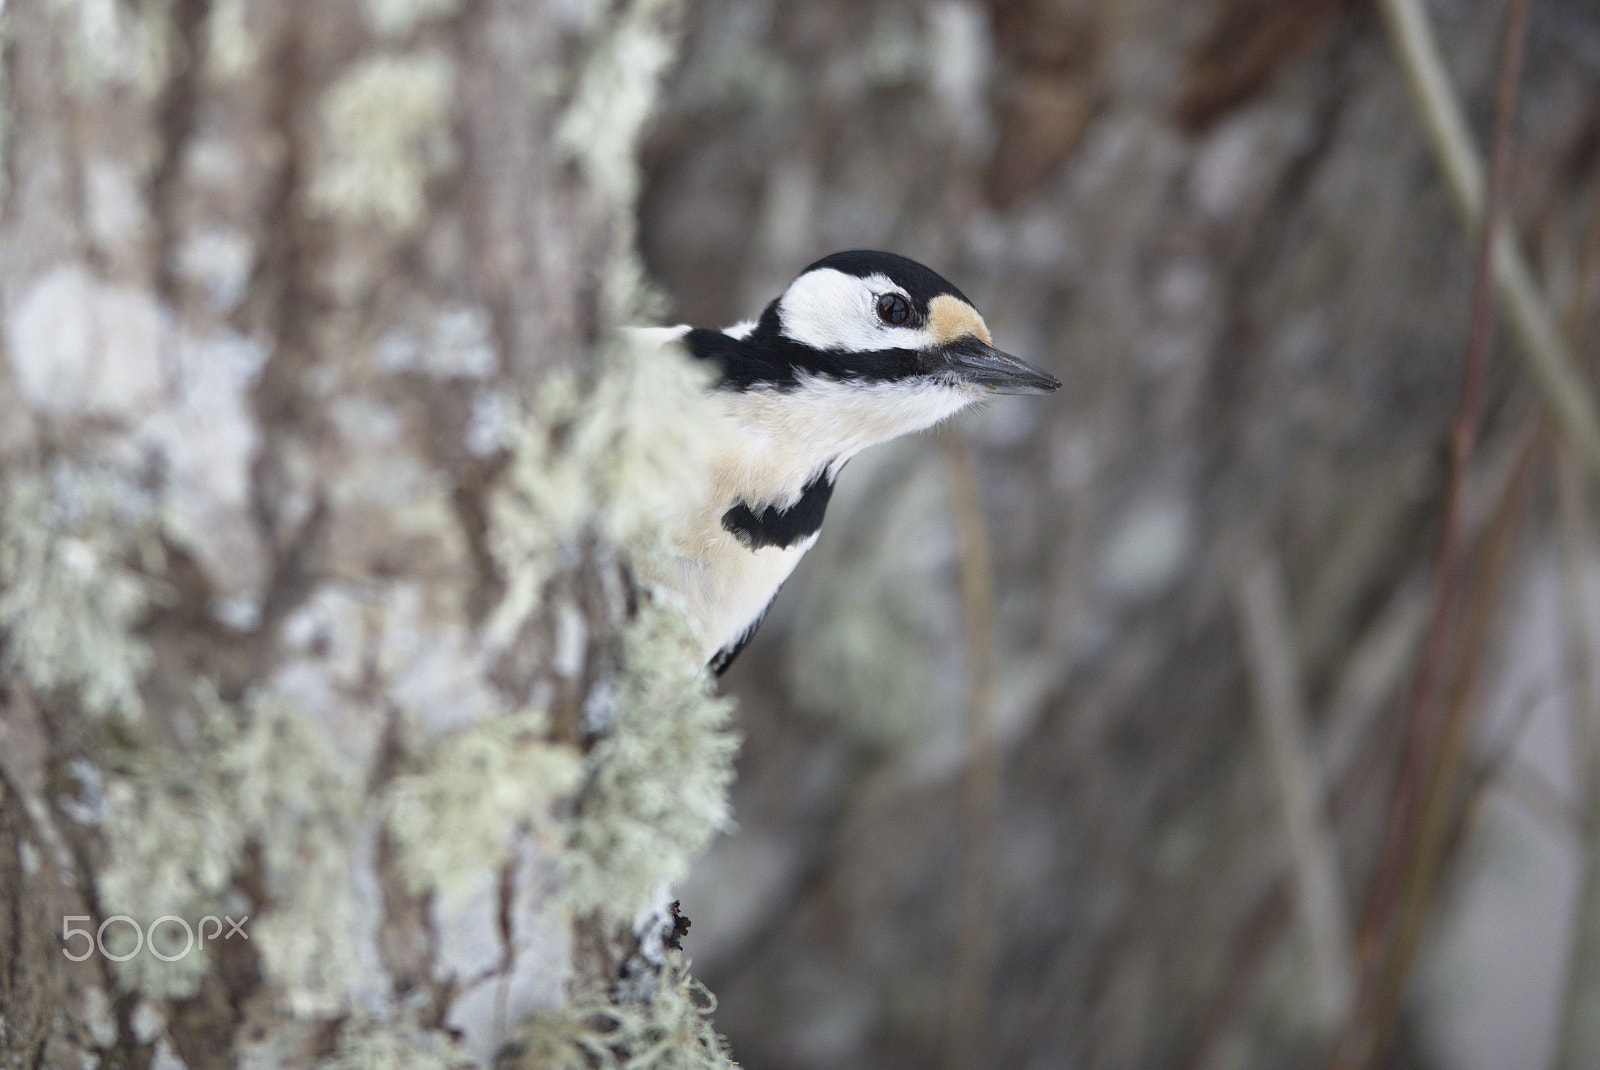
768	361
781	527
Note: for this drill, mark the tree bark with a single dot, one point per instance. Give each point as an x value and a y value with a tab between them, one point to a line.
328	712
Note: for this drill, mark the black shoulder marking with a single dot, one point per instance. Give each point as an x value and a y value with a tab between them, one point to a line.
715	346
781	527
751	362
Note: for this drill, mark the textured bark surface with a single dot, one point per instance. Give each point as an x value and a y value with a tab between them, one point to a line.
313	612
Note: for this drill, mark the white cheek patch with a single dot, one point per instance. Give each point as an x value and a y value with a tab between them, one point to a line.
827	309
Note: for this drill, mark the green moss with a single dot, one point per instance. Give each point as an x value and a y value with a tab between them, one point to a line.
385	134
76	545
671	1030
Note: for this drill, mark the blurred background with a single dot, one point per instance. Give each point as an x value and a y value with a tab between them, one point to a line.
1075	742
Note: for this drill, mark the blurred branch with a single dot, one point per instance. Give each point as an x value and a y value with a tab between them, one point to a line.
1578	1042
1448	128
1412	855
1370	677
1564	387
1424	838
1374	672
980	796
1313	855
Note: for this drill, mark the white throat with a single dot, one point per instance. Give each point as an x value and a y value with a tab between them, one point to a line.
781	439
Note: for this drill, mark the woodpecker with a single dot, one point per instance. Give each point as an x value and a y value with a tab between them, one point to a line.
861	348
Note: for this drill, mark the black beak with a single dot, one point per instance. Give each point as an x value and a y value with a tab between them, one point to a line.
972	361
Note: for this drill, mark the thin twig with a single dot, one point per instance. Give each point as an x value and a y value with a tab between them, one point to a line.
1368	681
1542	344
1406	867
1448	792
976	937
1313	855
1578	1039
1463	438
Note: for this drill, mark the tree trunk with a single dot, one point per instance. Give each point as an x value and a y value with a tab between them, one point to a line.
331	730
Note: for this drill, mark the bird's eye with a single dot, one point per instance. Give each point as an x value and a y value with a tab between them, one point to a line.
894	309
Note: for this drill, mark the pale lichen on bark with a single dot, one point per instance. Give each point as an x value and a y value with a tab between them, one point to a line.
471	796
396	18
659	773
303	618
76	548
632	454
386	136
113	45
617	459
671	1030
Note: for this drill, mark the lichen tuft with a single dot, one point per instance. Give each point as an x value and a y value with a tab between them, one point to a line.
370	1045
231	49
659	774
474	794
396	18
621	462
625	463
303	806
616	93
113	45
386	134
77	547
671	1030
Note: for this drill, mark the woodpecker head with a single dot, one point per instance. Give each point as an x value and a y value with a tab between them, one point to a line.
865	346
861	348
875	319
